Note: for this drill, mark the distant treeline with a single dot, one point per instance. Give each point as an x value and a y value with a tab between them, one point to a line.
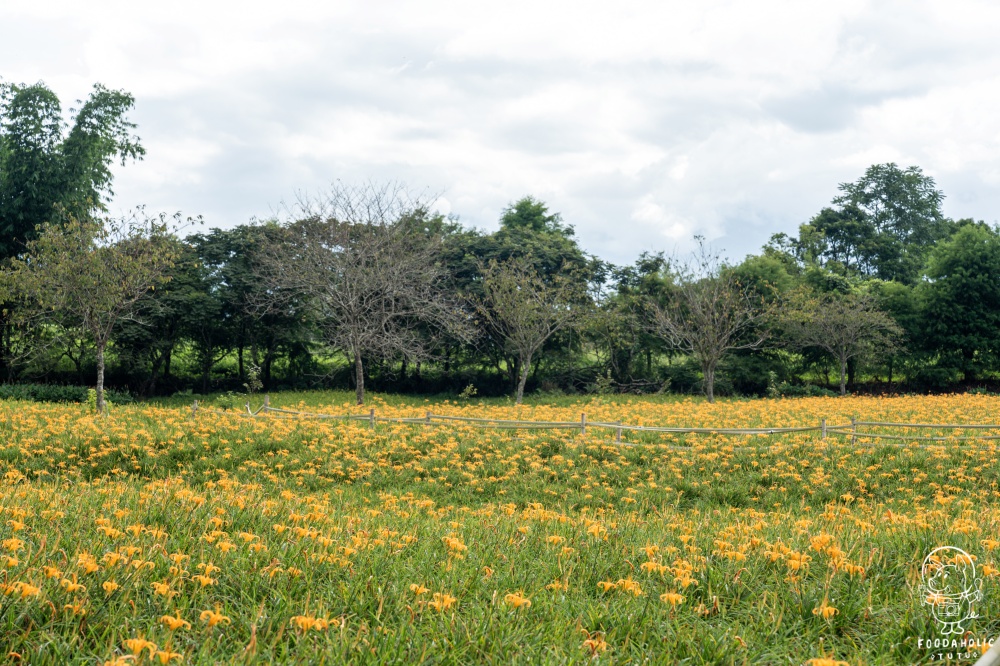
366	286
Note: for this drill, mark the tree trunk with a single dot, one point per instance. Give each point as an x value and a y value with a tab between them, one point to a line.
100	377
843	376
150	385
852	371
525	368
359	378
709	372
265	370
649	362
402	369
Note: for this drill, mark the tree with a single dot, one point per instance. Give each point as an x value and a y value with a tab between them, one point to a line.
523	310
847	326
368	280
708	313
961	298
92	272
881	226
41	169
620	328
145	345
227	257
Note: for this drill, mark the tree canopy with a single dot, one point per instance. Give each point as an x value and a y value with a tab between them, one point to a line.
45	168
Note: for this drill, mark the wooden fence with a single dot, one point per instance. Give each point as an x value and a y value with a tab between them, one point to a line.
846	433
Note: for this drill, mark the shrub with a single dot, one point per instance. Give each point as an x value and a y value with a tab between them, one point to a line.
57	393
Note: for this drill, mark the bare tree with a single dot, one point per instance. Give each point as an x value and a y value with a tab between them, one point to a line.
846	326
367	271
523	310
709	313
92	273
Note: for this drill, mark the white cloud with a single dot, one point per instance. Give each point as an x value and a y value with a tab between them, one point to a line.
642	122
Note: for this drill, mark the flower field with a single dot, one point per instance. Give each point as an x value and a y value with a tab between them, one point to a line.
155	535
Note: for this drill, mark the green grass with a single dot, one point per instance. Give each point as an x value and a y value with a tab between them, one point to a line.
364	513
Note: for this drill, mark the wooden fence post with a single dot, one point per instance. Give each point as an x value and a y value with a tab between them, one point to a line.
618	434
194	408
371	417
583	423
854	430
428	418
267	401
822	427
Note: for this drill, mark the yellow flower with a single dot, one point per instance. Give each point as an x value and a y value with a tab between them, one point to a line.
87	562
672	598
109	586
442	601
653	567
555	539
111	559
306	622
165	656
203	580
214	617
607	585
163	589
825	661
22	590
12	545
174	622
630	586
208	568
596	644
75	608
418	589
72	586
517	600
137	645
825	610
51	572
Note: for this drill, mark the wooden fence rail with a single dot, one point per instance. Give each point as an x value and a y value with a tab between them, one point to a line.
847	430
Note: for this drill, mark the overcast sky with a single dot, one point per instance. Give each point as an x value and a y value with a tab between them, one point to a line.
643	123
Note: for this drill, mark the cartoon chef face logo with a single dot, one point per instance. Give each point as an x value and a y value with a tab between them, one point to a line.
951	588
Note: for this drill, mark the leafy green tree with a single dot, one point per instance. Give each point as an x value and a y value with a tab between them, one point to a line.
146	344
709	313
620	327
881	226
369	282
529	232
523	310
92	272
229	260
846	326
961	299
42	168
